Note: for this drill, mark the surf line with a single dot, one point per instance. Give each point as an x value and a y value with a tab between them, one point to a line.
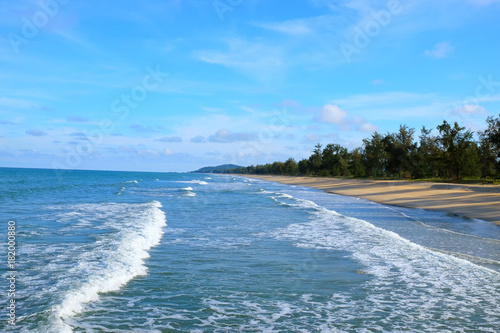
126	261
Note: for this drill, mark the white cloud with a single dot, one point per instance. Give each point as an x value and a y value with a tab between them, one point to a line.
473	109
212	109
393	105
258	60
198	139
15	103
367	127
148	153
381	99
440	50
170	139
76	119
332	114
145	129
36	133
226	136
311	138
291	27
469	112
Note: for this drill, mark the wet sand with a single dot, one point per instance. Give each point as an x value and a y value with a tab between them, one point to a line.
475	201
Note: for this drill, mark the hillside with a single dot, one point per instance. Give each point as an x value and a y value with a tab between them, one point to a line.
216	169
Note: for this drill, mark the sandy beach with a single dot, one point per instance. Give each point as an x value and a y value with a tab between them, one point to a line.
475	201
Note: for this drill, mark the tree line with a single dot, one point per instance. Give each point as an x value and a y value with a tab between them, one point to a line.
451	153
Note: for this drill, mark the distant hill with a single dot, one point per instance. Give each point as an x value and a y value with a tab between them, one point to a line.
216	169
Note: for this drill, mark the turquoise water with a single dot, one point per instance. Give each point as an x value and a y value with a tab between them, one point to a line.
160	252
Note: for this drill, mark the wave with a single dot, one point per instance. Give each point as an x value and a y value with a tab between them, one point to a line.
398	268
199	182
300	203
188	192
140	227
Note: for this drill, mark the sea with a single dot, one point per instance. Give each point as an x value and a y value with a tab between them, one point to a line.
102	251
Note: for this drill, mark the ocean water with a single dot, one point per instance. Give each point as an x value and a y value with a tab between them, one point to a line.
164	252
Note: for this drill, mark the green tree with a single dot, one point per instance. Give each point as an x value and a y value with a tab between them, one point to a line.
426	156
375	155
460	153
400	149
406	147
493	131
356	166
304	167
278	168
490	146
335	160
291	168
315	159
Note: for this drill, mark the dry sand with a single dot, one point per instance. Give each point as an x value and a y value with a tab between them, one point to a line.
475	201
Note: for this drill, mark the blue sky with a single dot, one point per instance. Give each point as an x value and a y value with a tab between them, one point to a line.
174	85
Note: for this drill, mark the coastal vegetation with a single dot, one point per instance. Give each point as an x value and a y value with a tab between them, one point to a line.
451	152
216	169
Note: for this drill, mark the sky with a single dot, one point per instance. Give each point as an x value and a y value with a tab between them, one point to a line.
175	85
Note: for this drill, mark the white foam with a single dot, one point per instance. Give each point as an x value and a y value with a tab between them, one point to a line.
189	188
199	182
398	268
131	181
140	229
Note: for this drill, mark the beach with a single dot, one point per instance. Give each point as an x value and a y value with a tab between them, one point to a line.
474	201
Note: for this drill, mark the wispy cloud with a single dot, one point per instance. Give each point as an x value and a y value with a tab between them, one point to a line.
226	136
15	103
170	139
198	139
470	109
390	99
291	27
440	50
36	133
76	119
258	60
145	129
367	127
74	39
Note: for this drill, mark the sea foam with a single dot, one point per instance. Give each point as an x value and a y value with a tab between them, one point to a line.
139	229
399	269
195	181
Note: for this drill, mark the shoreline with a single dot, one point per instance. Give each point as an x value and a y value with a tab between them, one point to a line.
473	201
